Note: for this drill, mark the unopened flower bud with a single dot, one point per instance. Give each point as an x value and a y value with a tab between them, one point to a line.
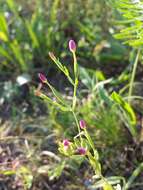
66	143
42	78
81	151
72	46
82	124
52	56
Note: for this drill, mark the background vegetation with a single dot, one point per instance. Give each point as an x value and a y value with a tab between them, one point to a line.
109	38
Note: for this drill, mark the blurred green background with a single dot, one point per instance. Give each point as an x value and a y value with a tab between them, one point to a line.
29	30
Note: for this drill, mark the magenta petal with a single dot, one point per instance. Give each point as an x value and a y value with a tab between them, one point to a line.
72	45
66	142
82	124
81	151
42	77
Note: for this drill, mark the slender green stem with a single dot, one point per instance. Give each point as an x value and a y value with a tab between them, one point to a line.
76	80
77	123
54	92
133	74
46	98
75	64
74	94
93	148
89	139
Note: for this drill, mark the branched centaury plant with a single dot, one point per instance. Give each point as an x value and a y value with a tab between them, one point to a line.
82	144
132	34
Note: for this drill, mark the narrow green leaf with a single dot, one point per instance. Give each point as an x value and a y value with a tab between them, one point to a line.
5	54
3	36
46	98
32	34
127	109
64	70
13	8
3	25
57	94
16	49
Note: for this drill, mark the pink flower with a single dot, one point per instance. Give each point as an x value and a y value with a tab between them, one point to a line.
42	78
72	46
82	124
81	151
66	143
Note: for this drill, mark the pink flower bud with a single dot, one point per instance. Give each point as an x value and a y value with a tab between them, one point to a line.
42	78
66	142
72	46
81	151
82	124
